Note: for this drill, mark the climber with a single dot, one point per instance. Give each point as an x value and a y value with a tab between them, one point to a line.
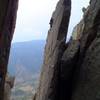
51	22
84	9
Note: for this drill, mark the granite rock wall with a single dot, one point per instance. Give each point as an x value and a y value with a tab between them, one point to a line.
8	10
55	45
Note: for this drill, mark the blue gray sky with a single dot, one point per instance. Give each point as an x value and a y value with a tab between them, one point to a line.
34	15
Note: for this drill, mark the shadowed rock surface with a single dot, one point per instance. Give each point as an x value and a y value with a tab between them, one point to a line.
8	9
88	69
73	68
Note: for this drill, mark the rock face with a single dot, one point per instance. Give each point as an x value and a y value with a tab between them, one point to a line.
88	69
8	9
68	65
72	69
49	81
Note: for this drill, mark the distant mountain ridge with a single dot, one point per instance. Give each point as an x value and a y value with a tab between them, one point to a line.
29	54
25	62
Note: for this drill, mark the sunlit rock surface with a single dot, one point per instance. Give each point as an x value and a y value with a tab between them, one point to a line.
48	87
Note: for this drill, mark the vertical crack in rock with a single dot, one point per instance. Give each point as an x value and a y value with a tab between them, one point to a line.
49	81
8	10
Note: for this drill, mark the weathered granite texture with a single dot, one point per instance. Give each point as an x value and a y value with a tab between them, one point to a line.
8	9
88	69
49	81
73	68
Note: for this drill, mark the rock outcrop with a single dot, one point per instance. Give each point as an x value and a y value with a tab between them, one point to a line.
87	73
77	31
8	9
72	71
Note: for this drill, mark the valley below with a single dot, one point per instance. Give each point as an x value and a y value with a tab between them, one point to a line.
25	63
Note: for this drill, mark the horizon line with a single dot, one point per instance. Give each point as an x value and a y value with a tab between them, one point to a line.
28	40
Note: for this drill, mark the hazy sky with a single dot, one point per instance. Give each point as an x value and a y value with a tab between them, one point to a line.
34	15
